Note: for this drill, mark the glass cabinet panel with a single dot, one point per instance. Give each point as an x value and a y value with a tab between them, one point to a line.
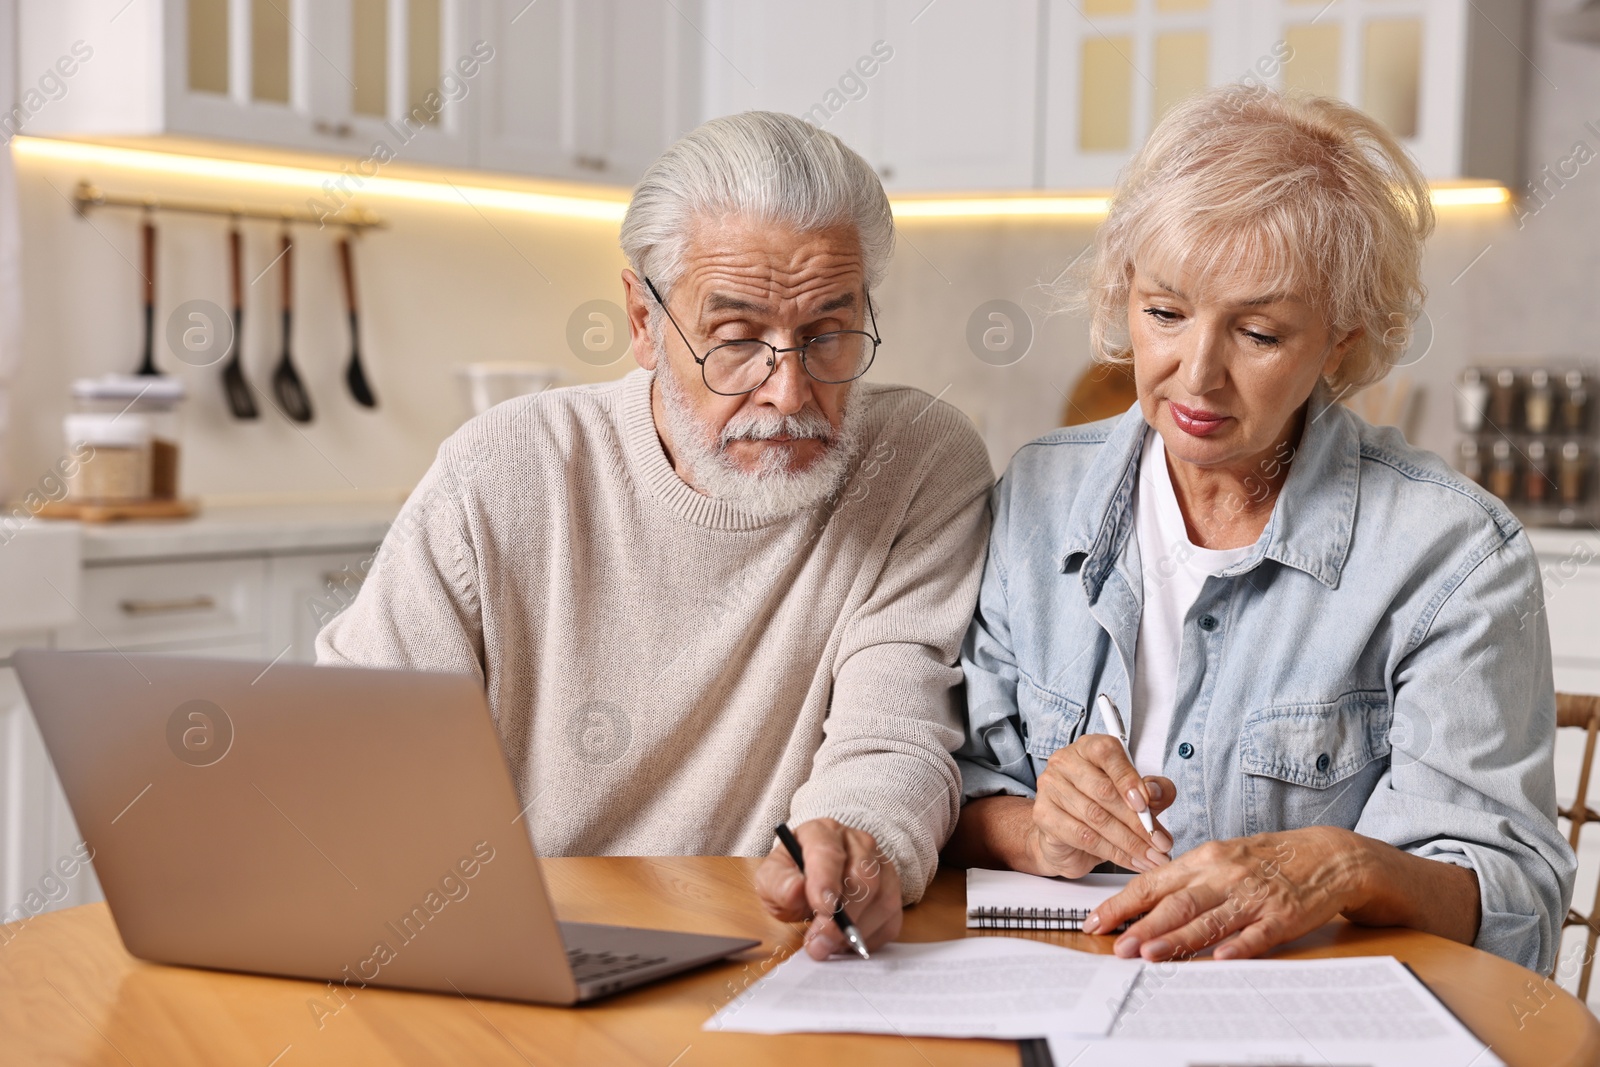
269	52
1182	68
369	47
422	54
1313	62
1391	73
208	46
1106	95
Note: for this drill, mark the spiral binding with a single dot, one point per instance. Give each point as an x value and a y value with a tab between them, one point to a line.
1031	919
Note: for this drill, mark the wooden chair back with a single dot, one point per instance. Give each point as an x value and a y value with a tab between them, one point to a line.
1582	712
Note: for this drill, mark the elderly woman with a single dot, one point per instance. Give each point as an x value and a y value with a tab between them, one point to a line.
1329	648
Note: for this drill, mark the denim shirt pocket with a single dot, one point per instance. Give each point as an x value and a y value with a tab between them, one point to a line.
1049	721
1294	755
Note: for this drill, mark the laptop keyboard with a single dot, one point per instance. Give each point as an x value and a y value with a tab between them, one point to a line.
593	966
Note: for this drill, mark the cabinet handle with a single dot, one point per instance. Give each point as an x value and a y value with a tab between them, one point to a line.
338	578
590	162
333	129
886	172
138	608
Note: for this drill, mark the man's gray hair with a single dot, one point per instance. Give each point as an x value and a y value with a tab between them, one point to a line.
759	165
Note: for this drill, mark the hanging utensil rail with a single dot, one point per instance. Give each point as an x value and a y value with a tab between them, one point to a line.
88	196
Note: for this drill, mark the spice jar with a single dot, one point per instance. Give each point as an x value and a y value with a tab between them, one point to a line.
156	399
1575	404
1503	400
114	457
1572	474
1538	403
1503	471
1470	460
1536	484
1472	400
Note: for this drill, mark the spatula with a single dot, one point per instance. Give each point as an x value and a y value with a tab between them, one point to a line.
286	383
147	365
234	386
354	375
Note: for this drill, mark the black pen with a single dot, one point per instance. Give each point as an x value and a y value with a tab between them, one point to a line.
840	919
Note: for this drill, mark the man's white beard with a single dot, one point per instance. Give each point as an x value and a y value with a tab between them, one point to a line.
771	490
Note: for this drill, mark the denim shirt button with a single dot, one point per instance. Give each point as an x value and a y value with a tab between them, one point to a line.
1323	763
1186	750
1208	623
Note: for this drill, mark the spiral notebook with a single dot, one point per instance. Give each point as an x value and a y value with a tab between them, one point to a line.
1010	900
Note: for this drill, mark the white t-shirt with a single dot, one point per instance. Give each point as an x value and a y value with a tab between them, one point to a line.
1174	570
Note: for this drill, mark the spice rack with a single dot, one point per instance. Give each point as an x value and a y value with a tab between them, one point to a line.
1529	436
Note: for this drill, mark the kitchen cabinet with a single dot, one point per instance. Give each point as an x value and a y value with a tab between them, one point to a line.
934	96
258	585
339	76
802	59
585	89
940	95
1444	75
36	827
1114	67
961	96
304	592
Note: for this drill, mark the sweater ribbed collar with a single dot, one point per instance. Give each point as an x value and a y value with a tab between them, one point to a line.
652	470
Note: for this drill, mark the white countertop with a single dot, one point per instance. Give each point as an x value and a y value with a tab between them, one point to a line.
233	530
1551	541
242	529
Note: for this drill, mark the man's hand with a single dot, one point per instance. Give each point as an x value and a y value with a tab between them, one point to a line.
841	864
1087	810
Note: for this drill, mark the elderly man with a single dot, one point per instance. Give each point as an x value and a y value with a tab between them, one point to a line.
729	589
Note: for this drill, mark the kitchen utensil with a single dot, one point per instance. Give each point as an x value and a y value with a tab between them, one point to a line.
237	390
147	366
286	383
355	376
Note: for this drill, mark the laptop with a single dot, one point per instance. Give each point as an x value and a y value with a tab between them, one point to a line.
342	824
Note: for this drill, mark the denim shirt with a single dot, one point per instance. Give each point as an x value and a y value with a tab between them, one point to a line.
1378	661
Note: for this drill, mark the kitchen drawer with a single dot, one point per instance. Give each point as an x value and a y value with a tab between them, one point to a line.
139	605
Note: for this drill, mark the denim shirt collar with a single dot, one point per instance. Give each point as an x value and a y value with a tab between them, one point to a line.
1312	519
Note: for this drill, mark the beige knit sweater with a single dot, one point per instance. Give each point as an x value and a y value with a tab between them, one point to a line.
670	676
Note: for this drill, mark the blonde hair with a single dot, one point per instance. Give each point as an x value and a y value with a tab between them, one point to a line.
1310	191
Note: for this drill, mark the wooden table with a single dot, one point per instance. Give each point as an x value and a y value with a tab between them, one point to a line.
70	994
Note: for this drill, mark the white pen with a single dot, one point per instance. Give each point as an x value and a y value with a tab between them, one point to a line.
1113	720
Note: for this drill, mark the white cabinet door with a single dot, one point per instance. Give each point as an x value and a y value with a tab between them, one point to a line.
39	861
803	59
960	87
1444	75
1116	66
304	592
584	89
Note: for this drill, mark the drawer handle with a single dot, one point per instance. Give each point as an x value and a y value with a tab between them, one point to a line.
342	579
167	607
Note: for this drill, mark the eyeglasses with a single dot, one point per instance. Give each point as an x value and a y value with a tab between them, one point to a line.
734	368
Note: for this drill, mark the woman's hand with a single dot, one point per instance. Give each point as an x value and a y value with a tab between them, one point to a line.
1248	893
1087	810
